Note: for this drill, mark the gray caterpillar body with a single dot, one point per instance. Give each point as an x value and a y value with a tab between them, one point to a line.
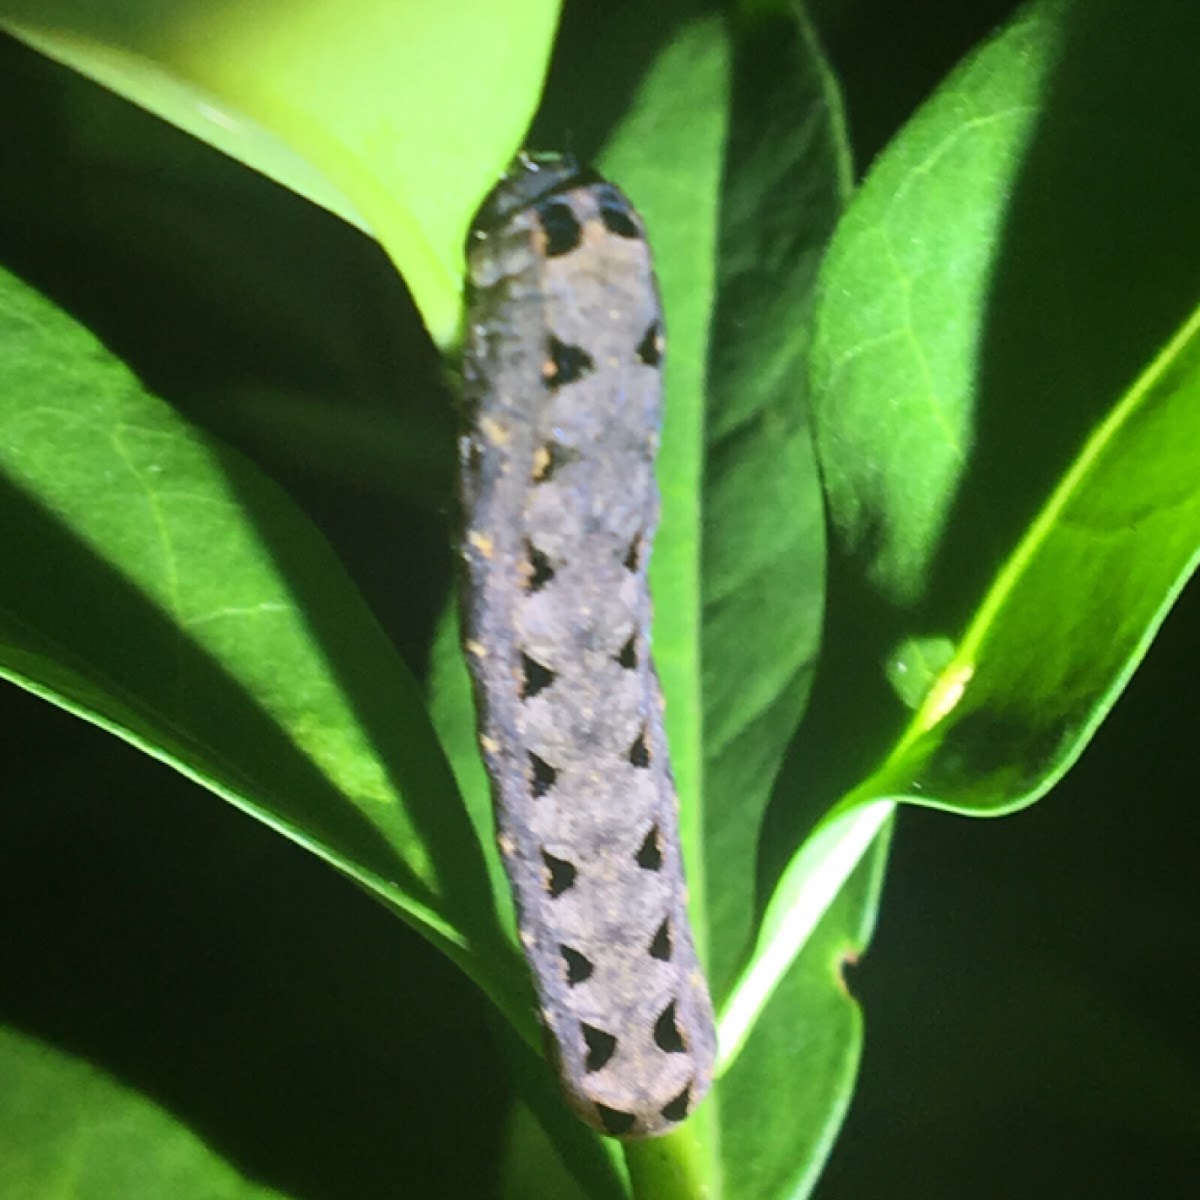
563	396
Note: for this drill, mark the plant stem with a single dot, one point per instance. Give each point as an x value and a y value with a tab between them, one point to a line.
683	1165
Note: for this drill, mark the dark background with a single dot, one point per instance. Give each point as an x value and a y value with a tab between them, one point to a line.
1031	992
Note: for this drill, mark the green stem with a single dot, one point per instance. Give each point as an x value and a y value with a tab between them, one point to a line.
683	1165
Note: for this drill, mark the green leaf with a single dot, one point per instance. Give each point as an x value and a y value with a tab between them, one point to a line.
176	598
67	1129
534	1164
762	519
1073	611
784	1099
397	117
1070	610
894	371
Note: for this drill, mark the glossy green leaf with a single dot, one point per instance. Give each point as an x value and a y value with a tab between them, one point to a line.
1074	609
397	117
894	369
162	588
1069	610
784	1099
762	518
68	1129
534	1164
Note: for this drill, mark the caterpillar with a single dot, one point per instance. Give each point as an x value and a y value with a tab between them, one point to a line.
562	374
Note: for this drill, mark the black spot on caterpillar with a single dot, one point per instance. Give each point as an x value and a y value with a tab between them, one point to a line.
562	407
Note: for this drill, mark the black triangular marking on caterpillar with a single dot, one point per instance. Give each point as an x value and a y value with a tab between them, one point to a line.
615	1122
660	946
627	656
601	1046
564	364
540	571
615	212
560	874
579	966
649	856
639	752
544	775
650	348
677	1109
667	1035
563	231
536	677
